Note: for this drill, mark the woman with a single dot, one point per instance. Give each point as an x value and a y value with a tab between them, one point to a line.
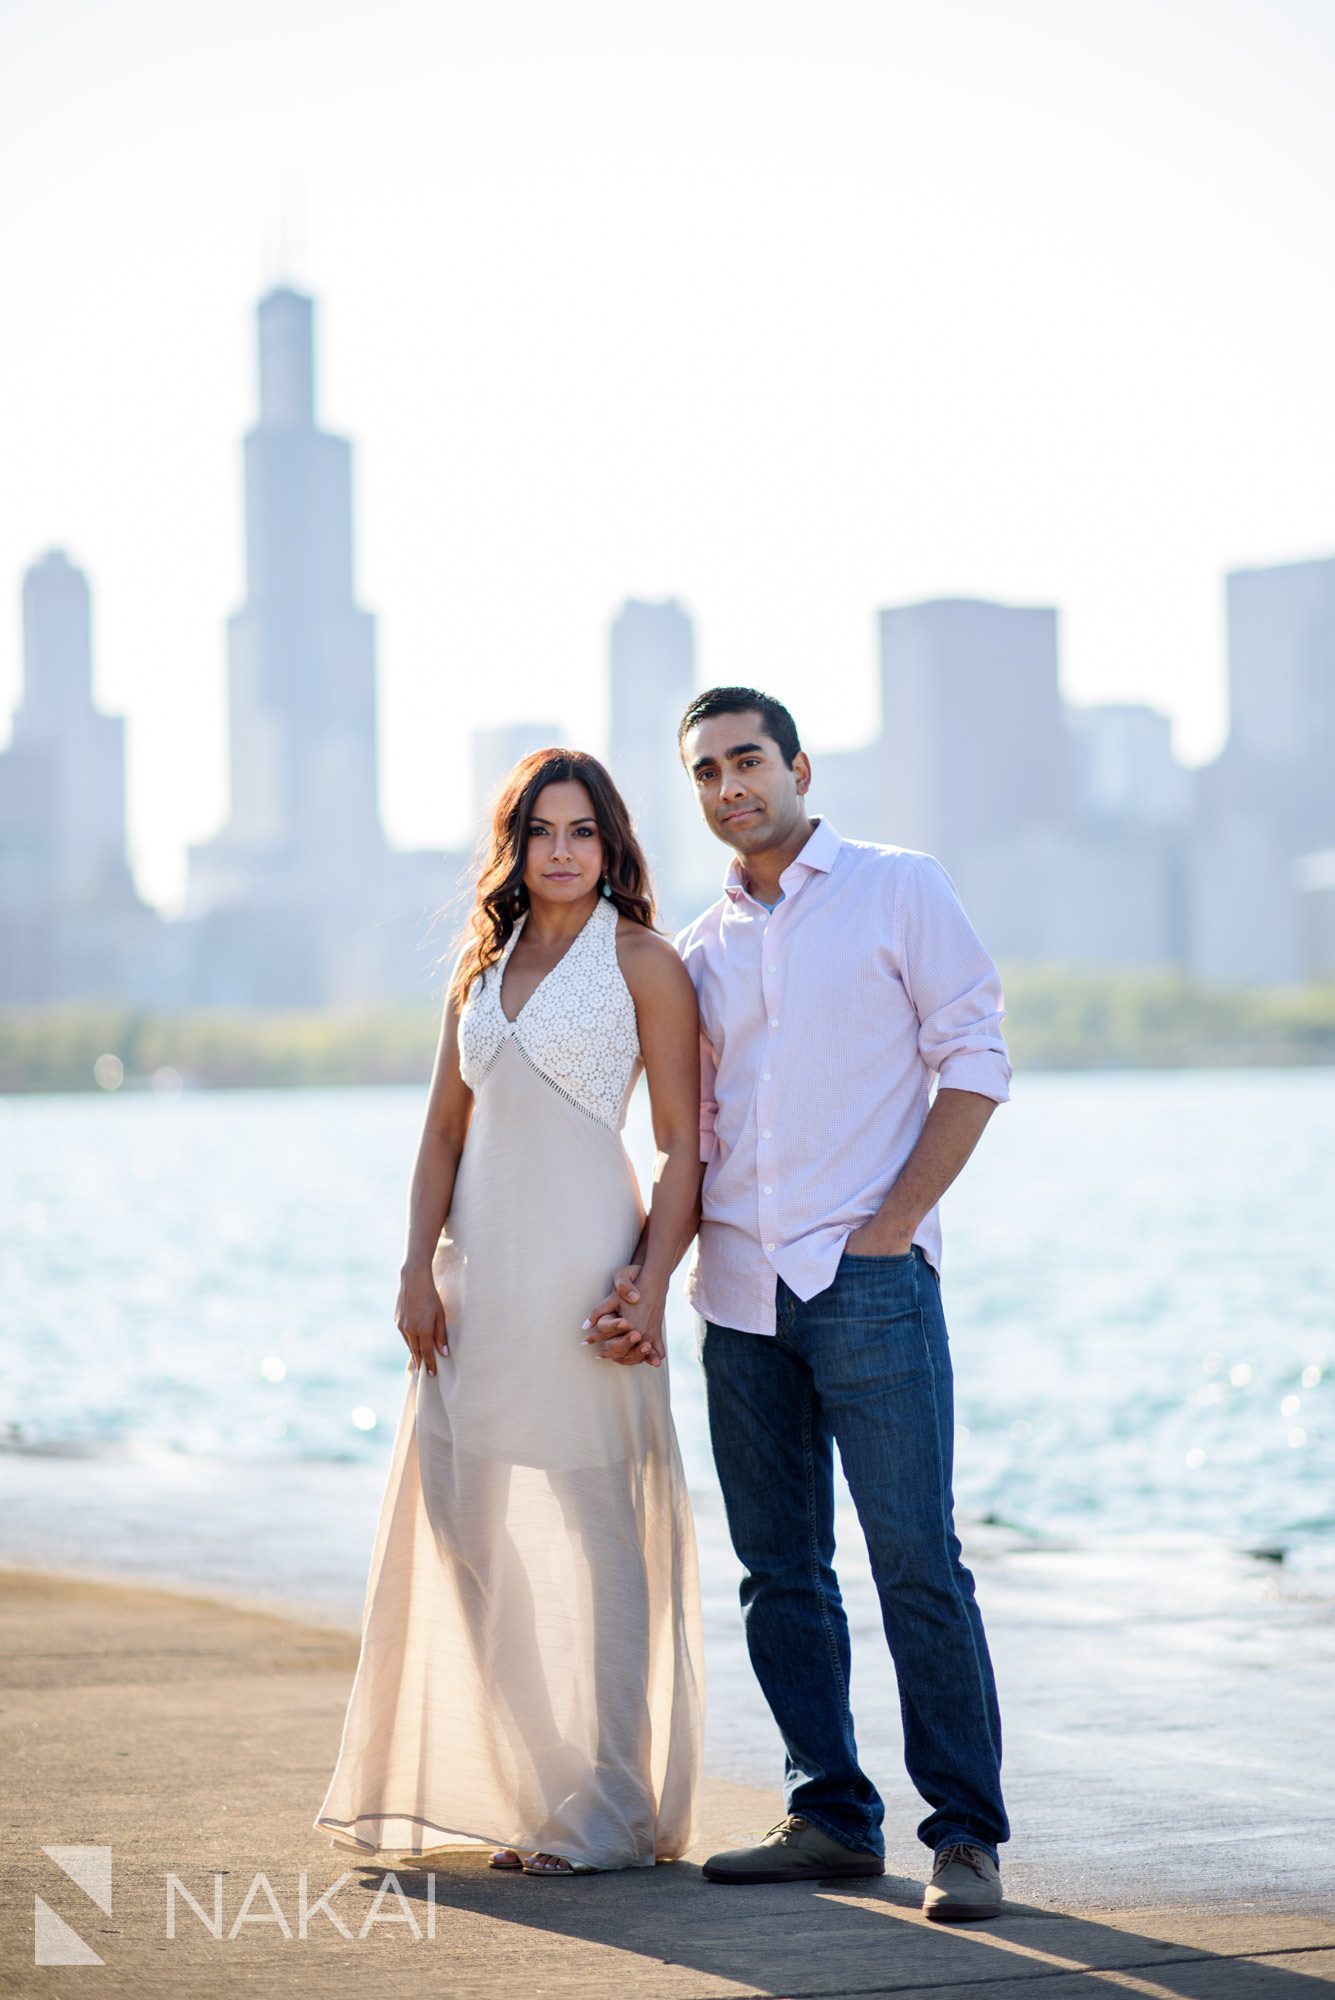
531	1670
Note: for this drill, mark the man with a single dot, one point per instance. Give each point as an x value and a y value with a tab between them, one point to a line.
837	981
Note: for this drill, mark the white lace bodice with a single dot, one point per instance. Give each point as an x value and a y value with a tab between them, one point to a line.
577	1027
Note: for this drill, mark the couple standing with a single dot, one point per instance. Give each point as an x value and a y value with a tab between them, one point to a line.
531	1664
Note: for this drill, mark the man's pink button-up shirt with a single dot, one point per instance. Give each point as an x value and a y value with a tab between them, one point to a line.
823	1025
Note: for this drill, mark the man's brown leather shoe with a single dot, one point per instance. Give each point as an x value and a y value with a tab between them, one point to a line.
965	1885
792	1851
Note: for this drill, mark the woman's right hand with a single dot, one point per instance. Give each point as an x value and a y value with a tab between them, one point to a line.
420	1316
612	1326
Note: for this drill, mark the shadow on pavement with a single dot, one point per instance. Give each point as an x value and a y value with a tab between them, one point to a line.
843	1938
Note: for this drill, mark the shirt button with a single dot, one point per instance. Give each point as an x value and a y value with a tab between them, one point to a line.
765	1076
774	1023
767	1190
769	1246
765	1133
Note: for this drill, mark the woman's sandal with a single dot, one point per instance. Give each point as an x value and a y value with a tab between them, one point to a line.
564	1867
505	1857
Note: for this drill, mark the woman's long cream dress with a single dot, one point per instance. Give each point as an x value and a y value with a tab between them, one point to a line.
531	1669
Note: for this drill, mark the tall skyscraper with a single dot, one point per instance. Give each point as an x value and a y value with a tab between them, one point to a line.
652	664
974	739
1280	756
70	919
302	725
80	833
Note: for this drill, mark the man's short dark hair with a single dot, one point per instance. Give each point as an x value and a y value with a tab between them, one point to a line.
740	701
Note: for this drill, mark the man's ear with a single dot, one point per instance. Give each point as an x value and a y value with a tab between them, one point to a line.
802	772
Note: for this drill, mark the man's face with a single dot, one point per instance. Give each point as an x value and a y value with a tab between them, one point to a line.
748	795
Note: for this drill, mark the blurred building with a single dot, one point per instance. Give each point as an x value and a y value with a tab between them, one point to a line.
1125	768
1114	881
847	788
1269	798
1280	754
651	661
1316	914
72	926
495	752
298	900
974	742
977	764
1243	917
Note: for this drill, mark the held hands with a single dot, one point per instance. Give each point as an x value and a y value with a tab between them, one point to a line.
420	1317
625	1327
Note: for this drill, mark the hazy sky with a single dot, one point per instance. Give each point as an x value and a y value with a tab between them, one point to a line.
790	310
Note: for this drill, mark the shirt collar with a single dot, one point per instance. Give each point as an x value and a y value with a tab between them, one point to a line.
823	843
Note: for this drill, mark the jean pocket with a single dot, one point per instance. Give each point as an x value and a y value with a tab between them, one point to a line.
876	1284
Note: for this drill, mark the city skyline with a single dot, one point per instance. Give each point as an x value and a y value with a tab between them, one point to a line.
165	882
1075	836
1111	759
1129	728
877	306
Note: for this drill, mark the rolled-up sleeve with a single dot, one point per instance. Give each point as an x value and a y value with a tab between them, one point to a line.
953	985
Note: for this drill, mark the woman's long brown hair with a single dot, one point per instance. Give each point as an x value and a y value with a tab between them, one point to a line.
501	898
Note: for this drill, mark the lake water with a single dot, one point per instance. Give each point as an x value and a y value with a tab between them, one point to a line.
1139	1279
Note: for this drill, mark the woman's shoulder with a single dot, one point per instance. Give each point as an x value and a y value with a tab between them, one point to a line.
648	960
636	940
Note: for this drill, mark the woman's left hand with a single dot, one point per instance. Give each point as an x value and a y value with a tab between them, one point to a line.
627	1348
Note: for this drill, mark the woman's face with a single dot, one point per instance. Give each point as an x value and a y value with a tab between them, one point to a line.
563	858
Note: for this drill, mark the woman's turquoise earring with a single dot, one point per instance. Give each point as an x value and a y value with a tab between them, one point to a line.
607	887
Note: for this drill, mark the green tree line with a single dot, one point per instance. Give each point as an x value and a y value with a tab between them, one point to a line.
1055	1019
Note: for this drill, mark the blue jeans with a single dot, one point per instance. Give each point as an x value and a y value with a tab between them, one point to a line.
865	1364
